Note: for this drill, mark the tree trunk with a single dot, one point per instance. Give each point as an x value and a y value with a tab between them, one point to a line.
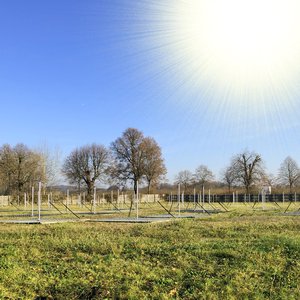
229	188
149	184
90	187
135	186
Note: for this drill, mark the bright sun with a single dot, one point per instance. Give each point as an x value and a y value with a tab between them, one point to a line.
244	48
244	40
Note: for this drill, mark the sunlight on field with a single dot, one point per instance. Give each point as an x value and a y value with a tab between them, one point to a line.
242	254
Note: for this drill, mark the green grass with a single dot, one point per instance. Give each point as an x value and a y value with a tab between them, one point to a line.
243	254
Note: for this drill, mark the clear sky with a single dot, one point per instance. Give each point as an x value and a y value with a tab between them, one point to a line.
75	72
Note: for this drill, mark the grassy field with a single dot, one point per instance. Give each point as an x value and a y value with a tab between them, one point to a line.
242	254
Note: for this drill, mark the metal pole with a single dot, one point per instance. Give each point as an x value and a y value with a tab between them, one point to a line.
178	199
32	200
39	202
137	200
94	201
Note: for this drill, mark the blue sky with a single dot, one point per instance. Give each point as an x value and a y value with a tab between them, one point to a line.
76	72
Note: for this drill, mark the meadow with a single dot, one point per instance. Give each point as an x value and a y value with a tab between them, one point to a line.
240	254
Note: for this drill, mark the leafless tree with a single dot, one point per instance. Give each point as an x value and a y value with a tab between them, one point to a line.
184	178
289	173
228	176
50	164
203	175
248	168
7	168
86	164
154	167
20	167
129	156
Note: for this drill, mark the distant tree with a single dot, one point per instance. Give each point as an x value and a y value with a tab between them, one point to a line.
154	167
248	169
50	164
129	156
20	167
87	165
28	166
7	168
184	178
203	175
289	173
228	176
271	179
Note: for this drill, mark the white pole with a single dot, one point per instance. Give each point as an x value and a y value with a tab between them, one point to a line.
182	199
94	201
39	202
203	194
233	197
194	198
32	200
209	196
25	201
283	197
137	199
178	198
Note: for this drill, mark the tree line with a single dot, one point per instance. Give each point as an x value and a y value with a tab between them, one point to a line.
131	159
245	170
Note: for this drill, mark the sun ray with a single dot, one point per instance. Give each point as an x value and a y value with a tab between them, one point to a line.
236	58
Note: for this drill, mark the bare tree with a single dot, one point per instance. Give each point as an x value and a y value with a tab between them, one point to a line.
248	168
184	178
203	175
129	156
154	167
20	167
289	173
7	168
86	164
229	177
50	164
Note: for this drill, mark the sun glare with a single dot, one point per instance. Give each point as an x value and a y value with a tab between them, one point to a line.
248	50
245	41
